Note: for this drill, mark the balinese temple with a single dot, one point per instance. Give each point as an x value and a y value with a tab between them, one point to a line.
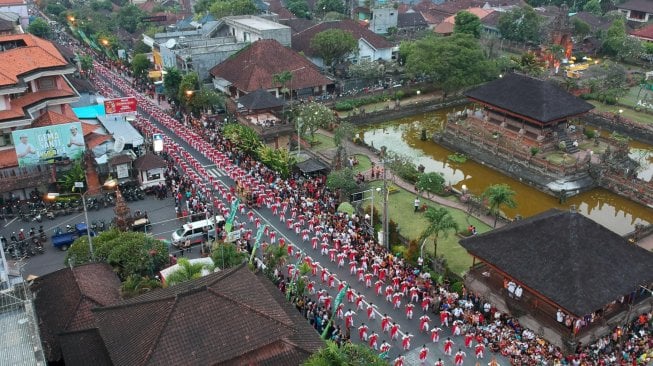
527	110
564	262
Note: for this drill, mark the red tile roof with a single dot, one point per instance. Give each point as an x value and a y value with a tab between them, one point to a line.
95	139
275	6
8	158
12	2
301	42
64	299
253	67
50	118
19	105
645	32
35	55
231	317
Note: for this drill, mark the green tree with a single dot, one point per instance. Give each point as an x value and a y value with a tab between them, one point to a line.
282	79
171	83
299	8
342	181
440	222
529	63
594	7
130	253
67	179
313	116
187	271
614	37
453	62
430	182
467	23
333	45
278	160
141	47
521	25
39	27
223	8
140	66
129	17
54	8
86	63
137	285
581	28
244	137
368	70
275	256
499	195
326	6
349	354
189	83
205	99
226	255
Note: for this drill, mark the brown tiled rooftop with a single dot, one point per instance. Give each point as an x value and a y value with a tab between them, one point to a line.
19	105
254	67
64	299
301	42
195	323
35	55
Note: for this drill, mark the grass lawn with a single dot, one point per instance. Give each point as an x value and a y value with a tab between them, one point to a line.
411	225
560	158
364	163
628	113
322	142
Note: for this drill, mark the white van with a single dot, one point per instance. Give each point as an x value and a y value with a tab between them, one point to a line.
195	231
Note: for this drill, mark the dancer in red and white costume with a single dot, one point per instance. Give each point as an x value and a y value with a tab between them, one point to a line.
405	341
371	311
373	341
385	346
385	322
394	331
423	353
480	350
448	346
362	332
424	323
359	301
409	311
439	362
469	337
435	334
399	361
459	358
444	317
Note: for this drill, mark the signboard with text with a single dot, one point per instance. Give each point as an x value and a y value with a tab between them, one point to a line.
49	144
120	106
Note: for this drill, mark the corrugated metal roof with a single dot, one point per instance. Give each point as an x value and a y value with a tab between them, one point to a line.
20	343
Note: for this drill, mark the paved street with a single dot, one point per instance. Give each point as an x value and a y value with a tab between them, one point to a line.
407	326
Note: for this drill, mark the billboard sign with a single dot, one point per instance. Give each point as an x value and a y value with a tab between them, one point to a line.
46	145
120	106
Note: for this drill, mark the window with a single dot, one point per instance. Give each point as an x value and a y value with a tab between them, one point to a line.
153	174
246	36
5	139
46	83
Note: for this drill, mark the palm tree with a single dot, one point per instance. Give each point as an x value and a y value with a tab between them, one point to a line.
440	222
276	256
343	133
497	196
282	78
137	285
187	271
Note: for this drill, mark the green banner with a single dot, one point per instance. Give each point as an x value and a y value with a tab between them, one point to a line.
257	242
232	215
336	303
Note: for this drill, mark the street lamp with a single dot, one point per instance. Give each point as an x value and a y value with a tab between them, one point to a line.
386	236
291	71
108	184
300	124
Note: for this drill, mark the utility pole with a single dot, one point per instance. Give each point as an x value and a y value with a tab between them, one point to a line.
386	236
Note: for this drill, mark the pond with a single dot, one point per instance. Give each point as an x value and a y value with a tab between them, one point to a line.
403	137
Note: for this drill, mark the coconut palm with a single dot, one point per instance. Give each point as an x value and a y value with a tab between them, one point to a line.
276	256
187	271
440	222
499	195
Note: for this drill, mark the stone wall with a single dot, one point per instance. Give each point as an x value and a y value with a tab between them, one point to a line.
639	132
517	167
404	110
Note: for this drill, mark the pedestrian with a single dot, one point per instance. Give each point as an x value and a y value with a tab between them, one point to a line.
416	203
